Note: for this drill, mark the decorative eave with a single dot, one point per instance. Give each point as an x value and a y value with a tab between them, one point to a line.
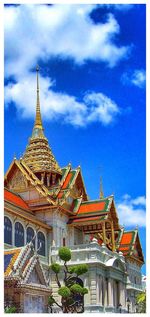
51	208
135	259
87	220
31	177
67	191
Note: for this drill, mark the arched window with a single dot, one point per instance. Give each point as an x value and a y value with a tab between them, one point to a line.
19	234
30	236
41	243
7	230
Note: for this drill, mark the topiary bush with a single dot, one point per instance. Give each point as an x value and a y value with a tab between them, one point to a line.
64	291
80	269
64	254
76	288
84	291
55	268
71	288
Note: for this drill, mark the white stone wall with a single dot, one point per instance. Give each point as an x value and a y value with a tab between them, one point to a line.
100	279
134	272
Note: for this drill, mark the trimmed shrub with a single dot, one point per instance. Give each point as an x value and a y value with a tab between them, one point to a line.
55	268
64	291
64	254
76	288
80	269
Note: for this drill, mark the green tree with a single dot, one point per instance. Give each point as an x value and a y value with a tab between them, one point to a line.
141	302
72	291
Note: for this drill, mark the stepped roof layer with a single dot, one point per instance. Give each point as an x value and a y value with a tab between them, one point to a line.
38	155
94	210
13	200
129	244
70	178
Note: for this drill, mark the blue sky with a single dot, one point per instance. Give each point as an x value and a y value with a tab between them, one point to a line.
92	91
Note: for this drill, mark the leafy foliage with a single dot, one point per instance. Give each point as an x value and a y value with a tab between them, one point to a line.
80	269
10	310
84	291
55	267
72	291
64	291
51	301
141	302
64	254
76	288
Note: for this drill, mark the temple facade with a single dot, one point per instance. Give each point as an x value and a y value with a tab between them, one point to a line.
47	206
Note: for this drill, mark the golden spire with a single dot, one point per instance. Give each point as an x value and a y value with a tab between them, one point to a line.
38	120
38	155
101	196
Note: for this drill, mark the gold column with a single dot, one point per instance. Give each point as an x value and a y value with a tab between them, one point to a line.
104	232
113	237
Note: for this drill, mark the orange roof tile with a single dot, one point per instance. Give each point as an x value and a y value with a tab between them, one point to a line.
92	207
126	238
15	199
67	180
123	248
60	194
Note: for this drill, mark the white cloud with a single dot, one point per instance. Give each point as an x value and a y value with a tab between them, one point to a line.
102	108
55	105
132	212
136	78
34	32
40	31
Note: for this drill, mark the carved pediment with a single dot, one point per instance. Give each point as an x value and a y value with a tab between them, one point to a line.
34	277
17	181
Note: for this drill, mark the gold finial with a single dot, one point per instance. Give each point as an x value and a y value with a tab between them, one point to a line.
38	120
101	196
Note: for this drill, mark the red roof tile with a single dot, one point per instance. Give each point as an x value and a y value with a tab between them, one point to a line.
15	199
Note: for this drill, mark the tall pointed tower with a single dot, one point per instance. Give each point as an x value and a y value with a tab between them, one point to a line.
38	155
101	195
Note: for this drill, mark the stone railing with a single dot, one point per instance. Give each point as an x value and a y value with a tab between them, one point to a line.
134	286
87	253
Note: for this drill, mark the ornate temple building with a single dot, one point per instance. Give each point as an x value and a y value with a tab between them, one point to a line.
46	206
